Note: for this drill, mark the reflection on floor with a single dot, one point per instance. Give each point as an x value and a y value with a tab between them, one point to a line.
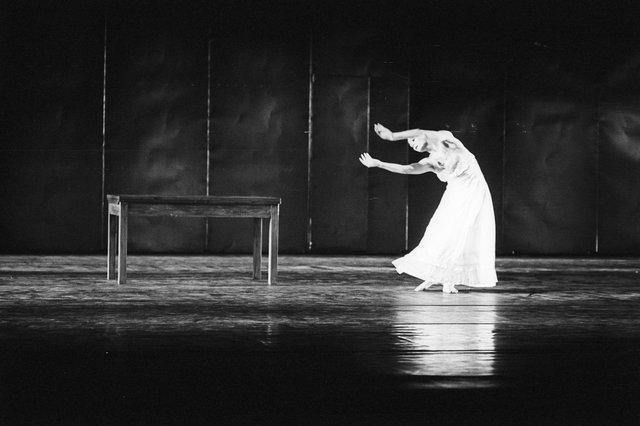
446	340
193	339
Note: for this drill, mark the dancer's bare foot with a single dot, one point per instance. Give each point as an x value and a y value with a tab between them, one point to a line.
449	288
425	285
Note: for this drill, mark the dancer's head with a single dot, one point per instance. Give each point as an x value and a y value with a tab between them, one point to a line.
433	144
419	143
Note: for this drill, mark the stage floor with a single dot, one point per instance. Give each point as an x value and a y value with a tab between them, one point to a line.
191	339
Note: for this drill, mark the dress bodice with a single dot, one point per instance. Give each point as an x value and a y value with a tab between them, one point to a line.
455	163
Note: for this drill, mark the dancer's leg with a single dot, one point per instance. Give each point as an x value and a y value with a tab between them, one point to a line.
425	285
449	288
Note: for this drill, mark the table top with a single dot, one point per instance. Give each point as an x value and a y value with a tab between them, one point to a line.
192	199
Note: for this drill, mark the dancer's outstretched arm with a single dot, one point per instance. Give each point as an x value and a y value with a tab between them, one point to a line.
406	169
387	134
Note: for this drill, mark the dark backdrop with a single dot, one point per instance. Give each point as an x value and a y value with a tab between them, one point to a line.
278	98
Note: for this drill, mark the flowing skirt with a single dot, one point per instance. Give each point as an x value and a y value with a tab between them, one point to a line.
458	246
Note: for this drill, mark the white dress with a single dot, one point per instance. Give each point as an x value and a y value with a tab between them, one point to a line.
458	246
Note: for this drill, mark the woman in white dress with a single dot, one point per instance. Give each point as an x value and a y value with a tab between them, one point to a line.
458	246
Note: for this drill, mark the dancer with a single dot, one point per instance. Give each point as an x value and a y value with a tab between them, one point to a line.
458	246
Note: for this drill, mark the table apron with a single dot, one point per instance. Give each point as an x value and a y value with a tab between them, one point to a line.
196	210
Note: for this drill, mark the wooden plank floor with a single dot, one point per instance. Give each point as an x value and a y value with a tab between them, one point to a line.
192	339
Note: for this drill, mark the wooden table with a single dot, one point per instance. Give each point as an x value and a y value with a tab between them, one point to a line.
258	208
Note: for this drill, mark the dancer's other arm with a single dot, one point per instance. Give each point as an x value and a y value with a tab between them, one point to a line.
388	135
406	169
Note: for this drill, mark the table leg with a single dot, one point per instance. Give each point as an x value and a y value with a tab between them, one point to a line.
257	248
122	243
112	244
273	244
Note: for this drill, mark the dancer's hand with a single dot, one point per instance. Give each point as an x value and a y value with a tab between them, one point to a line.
368	160
383	132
